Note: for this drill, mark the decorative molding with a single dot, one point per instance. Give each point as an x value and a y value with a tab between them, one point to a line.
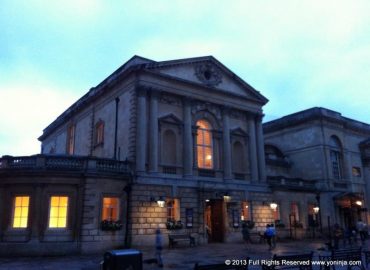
208	74
236	114
169	99
206	106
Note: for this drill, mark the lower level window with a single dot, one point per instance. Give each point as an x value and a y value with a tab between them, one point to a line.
58	212
20	216
110	209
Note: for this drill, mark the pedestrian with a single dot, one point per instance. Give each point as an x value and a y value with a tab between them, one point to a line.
158	247
361	229
268	235
338	234
246	234
273	238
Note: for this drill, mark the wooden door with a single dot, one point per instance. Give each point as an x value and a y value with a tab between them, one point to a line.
217	221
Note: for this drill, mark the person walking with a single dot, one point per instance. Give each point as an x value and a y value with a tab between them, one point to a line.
158	247
273	237
246	234
338	234
268	235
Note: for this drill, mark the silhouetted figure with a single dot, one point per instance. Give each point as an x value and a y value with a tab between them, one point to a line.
158	247
246	234
338	234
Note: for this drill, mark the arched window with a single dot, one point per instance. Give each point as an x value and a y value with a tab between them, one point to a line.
238	157
204	145
169	148
99	133
336	157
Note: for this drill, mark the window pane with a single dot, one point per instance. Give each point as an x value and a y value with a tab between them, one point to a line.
110	208
20	211
58	212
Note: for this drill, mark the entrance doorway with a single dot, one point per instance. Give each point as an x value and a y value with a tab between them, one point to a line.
214	220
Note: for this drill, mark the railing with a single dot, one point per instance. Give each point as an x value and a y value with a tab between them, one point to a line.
169	169
291	182
64	163
206	173
239	176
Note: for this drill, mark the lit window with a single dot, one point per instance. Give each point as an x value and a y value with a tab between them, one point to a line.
204	145
70	140
110	209
21	206
245	211
58	212
99	133
173	209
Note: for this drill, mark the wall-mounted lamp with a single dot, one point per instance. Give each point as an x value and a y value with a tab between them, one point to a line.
160	201
207	200
273	206
227	198
358	202
316	209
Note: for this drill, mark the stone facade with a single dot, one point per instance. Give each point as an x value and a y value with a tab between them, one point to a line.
176	145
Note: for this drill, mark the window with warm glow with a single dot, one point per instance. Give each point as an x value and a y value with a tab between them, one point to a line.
70	140
20	216
245	211
99	132
110	209
173	209
204	145
58	212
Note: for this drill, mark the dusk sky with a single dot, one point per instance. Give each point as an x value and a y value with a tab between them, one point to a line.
298	54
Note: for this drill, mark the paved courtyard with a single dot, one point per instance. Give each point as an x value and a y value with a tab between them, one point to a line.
182	257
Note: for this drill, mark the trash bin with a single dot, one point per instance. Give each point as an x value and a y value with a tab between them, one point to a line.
123	259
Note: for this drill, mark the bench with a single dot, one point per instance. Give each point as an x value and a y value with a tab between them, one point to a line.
173	239
351	254
221	266
296	261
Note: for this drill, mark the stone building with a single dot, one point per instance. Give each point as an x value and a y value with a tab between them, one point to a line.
318	158
191	130
178	145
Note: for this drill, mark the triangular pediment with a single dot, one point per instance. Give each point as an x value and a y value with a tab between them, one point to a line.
170	119
238	132
209	72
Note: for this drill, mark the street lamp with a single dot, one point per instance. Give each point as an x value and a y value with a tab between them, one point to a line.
273	206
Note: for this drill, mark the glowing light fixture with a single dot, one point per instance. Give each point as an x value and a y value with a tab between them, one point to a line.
359	203
209	157
316	209
273	206
160	202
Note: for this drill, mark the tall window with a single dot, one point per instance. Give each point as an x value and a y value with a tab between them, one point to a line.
99	132
294	210
110	209
58	212
70	139
336	157
20	214
169	148
246	211
238	157
204	145
173	209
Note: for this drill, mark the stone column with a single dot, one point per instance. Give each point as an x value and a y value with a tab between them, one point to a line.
36	216
153	132
226	144
260	150
188	142
141	130
252	148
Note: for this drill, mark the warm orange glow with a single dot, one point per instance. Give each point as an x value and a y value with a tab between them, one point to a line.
204	145
58	212
21	206
110	209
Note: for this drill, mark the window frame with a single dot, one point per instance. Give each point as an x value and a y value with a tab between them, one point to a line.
175	209
67	212
118	207
99	133
70	140
203	146
13	212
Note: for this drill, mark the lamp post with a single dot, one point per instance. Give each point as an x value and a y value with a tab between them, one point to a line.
318	209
